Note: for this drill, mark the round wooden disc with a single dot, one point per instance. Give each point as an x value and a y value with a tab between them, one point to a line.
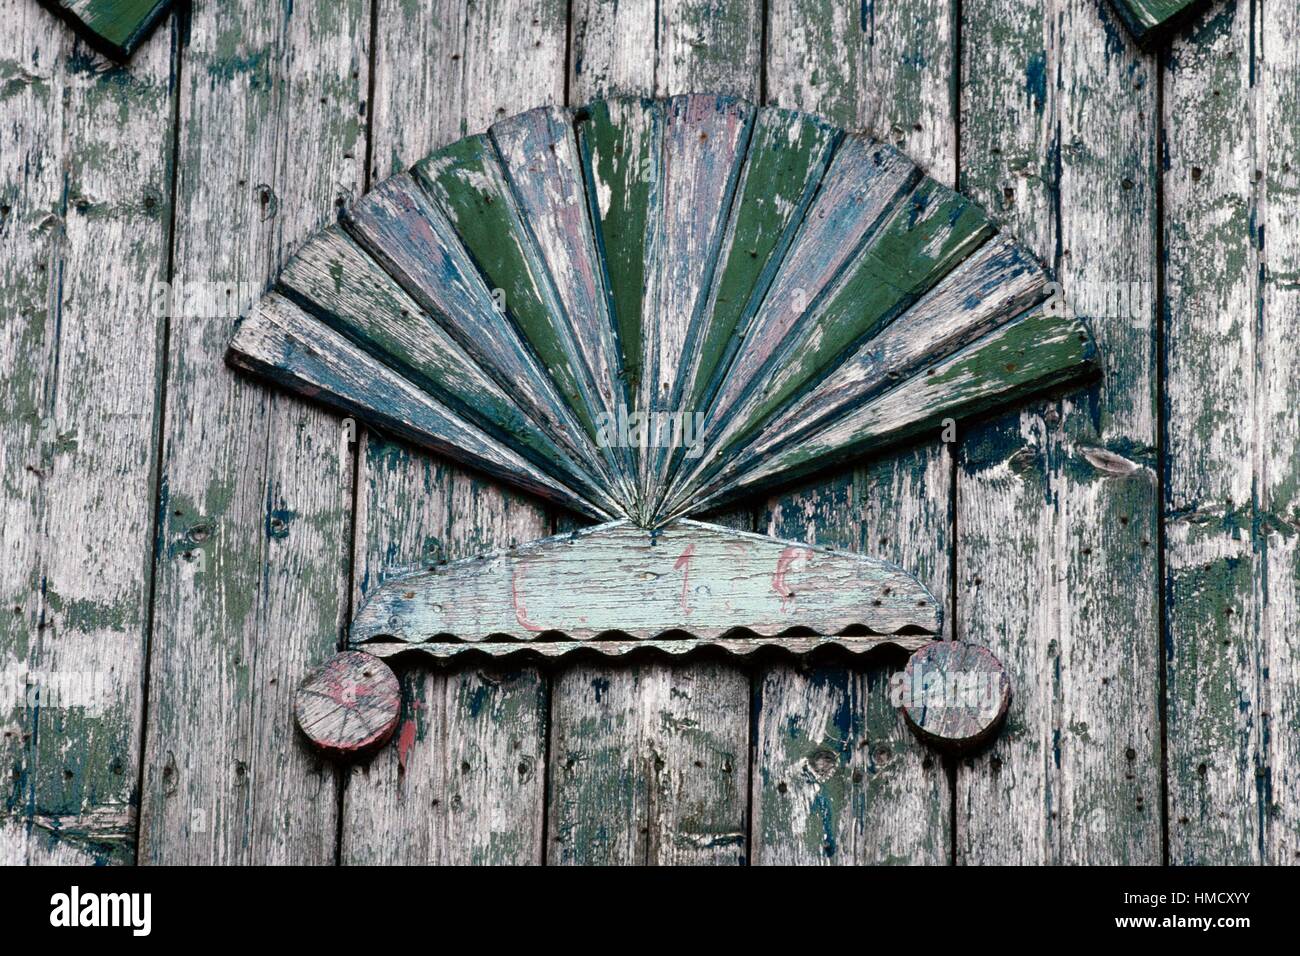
955	695
349	705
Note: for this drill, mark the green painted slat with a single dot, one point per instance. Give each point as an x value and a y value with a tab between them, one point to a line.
838	778
648	761
84	181
1280	439
622	141
255	505
932	231
787	158
464	781
113	27
539	153
467	181
1230	413
1153	21
705	140
1033	353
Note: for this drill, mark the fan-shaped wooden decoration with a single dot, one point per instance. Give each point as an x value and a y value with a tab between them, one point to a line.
642	310
113	27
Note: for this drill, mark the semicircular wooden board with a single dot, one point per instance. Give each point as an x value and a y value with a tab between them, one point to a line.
642	310
616	587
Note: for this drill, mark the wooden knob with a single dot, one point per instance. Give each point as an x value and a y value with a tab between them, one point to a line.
955	695
349	705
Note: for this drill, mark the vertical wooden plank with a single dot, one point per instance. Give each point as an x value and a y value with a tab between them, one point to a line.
649	760
464	780
908	96
254	507
1218	419
32	186
80	396
839	778
706	47
1279	420
1057	511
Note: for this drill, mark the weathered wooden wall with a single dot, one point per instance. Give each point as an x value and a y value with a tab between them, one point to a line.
194	542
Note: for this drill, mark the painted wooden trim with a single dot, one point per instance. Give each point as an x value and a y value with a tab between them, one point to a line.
443	651
1153	21
703	584
114	28
282	342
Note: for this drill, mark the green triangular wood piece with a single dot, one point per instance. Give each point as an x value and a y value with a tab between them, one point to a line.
112	27
1153	21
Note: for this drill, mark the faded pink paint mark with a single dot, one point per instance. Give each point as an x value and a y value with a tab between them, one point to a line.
405	741
784	564
521	611
683	563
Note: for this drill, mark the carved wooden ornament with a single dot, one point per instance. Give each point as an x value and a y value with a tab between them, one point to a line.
642	310
954	695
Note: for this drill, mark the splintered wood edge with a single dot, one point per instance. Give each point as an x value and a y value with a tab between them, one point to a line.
350	705
954	695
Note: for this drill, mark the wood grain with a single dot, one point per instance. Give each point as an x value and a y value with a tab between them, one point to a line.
464	781
838	777
79	397
1057	511
1232	432
255	501
648	760
954	695
349	705
1279	418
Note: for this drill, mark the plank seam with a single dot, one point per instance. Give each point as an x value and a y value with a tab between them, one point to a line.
1163	634
341	776
954	95
179	32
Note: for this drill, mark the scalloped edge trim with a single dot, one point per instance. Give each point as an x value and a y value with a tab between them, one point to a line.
736	647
